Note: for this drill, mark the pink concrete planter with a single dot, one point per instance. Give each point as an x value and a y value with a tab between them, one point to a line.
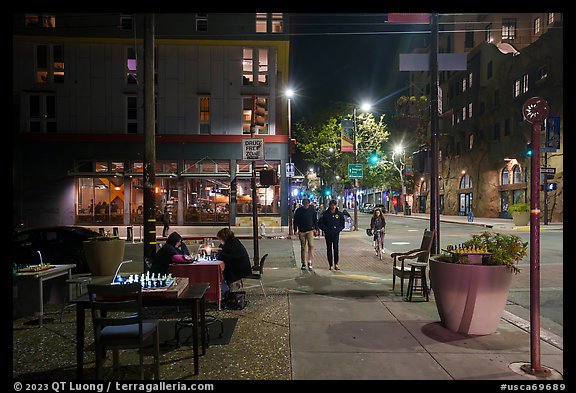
470	298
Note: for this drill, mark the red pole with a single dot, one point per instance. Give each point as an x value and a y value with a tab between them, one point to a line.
535	248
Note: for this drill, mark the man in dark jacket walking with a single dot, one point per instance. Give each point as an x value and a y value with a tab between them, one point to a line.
306	225
332	223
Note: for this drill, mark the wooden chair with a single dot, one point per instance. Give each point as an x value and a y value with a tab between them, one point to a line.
257	272
118	324
421	255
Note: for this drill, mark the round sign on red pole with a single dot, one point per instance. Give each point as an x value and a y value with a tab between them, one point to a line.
535	110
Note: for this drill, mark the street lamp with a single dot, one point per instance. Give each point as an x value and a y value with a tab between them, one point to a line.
289	94
365	107
400	150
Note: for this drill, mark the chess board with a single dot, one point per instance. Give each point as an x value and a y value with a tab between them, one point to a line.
174	290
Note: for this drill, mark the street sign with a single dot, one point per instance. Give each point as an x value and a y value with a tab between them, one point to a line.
355	171
548	170
253	148
289	169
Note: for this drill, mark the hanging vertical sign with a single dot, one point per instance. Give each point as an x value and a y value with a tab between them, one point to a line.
347	136
552	134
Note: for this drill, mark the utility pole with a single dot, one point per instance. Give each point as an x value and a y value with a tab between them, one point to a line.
434	185
254	191
355	179
149	142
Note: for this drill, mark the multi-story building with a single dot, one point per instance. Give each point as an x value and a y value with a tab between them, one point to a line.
483	161
78	96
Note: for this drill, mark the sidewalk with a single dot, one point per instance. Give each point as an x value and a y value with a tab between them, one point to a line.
353	318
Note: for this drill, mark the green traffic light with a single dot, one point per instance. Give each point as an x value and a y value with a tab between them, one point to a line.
374	159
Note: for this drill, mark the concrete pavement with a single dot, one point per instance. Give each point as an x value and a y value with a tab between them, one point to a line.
350	324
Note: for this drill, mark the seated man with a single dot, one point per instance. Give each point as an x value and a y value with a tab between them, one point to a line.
169	253
235	258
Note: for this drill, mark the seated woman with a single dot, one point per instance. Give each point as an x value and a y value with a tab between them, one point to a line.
235	257
168	254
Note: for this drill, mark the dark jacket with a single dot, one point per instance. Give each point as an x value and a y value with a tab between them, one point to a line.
163	257
305	219
236	260
331	223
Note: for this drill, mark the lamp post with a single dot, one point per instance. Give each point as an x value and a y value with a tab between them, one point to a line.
289	94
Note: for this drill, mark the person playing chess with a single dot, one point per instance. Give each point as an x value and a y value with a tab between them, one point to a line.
169	253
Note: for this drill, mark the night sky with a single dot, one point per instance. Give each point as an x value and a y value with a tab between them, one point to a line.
347	58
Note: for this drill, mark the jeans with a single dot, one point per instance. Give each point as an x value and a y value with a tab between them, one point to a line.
332	247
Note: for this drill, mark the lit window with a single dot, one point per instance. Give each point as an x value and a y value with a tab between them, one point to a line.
508	29
536	26
517	85
131	66
470	141
263	66
49	64
524	83
277	23
469	110
261	22
550	18
204	115
247	67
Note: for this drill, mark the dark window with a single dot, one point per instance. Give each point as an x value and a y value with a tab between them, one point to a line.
497	131
489	70
507	127
469	39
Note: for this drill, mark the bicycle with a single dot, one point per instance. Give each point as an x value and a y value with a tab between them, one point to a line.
379	246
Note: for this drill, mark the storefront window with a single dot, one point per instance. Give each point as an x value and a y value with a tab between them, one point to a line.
207	201
166	197
100	200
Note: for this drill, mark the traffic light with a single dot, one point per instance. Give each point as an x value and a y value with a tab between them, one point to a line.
292	146
374	158
260	111
327	192
529	149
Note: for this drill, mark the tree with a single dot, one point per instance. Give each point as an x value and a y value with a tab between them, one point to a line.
320	145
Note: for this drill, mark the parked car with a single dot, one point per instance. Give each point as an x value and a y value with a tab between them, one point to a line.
57	245
366	207
379	206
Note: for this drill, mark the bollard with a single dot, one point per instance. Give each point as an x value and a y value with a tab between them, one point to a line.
130	234
115	232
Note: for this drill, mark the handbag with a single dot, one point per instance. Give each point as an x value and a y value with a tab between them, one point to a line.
369	232
236	300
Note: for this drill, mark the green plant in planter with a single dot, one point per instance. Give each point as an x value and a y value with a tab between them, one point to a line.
519	208
506	250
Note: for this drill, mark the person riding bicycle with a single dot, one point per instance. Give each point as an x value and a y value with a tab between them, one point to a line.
377	224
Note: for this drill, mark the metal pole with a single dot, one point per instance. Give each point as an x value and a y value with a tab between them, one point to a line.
254	192
355	180
535	249
403	181
434	186
149	142
545	188
290	212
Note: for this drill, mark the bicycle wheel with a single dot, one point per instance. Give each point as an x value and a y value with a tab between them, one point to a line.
380	246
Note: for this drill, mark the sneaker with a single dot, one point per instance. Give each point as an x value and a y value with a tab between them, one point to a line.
336	267
330	268
309	265
303	266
